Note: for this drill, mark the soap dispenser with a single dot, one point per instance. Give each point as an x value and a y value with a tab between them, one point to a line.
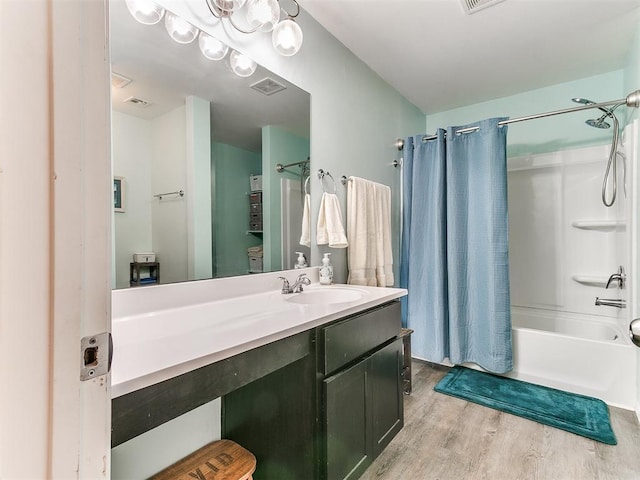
326	271
302	261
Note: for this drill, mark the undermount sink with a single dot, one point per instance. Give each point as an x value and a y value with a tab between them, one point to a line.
326	295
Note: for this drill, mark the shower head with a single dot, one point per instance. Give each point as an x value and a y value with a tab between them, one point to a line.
598	123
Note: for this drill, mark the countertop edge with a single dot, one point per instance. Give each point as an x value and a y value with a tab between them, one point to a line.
158	376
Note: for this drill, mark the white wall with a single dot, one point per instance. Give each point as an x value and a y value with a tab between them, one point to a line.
132	155
169	215
198	169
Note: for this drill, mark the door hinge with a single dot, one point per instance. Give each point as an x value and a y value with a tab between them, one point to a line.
96	352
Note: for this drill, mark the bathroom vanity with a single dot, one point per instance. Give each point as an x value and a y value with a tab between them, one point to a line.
310	382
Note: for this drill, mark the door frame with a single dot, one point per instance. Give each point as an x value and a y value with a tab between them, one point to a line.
55	237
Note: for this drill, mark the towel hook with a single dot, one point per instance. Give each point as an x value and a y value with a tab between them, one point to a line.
321	175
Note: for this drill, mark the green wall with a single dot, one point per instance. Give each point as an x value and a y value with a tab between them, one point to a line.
231	167
549	134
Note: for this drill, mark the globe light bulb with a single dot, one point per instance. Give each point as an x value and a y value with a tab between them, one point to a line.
145	11
212	48
263	15
242	65
179	29
287	38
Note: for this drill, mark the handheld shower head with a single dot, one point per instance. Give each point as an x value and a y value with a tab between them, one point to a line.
598	123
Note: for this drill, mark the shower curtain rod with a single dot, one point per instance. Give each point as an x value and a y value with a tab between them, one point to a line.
631	100
280	167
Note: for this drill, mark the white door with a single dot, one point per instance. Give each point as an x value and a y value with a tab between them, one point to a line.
55	237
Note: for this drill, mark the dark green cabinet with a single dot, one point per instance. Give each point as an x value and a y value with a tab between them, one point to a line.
328	414
347	434
386	393
363	411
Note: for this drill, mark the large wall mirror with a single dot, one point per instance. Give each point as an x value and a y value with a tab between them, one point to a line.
195	149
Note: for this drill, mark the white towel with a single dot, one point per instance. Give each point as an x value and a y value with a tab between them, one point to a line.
305	237
370	258
330	230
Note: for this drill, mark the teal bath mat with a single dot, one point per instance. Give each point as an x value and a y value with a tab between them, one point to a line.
579	414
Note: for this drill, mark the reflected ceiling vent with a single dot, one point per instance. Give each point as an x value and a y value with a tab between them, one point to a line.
138	102
268	86
119	81
473	6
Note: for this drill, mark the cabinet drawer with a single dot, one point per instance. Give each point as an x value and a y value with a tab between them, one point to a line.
347	340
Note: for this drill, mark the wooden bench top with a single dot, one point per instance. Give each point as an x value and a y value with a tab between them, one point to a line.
219	460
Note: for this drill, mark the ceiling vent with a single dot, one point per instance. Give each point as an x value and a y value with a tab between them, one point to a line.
119	81
138	102
473	6
268	86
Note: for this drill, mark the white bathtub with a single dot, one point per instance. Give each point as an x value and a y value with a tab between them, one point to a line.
585	354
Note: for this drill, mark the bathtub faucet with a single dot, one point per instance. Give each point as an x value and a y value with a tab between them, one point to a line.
611	302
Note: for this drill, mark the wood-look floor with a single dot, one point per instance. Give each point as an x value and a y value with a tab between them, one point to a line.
446	438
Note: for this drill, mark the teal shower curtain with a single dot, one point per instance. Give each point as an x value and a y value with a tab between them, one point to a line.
455	246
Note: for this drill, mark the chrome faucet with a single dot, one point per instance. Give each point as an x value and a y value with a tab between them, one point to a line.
285	286
617	277
611	302
297	286
300	281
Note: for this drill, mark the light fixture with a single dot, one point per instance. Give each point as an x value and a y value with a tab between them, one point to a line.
179	29
184	32
287	37
145	11
263	16
212	48
242	65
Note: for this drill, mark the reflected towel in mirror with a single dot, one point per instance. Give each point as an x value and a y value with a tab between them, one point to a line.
305	237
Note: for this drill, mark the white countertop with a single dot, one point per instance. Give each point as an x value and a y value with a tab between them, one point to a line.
158	344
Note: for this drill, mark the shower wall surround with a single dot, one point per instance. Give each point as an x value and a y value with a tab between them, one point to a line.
563	242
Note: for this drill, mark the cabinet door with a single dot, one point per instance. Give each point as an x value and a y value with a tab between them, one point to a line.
346	423
385	393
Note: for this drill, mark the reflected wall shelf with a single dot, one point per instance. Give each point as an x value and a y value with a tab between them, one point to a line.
600	225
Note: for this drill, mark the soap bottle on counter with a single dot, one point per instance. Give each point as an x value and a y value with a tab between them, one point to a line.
326	271
302	261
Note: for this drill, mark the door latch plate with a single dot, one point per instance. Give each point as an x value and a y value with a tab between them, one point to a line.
96	352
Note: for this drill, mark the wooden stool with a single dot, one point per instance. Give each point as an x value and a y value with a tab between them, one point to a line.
219	460
405	334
